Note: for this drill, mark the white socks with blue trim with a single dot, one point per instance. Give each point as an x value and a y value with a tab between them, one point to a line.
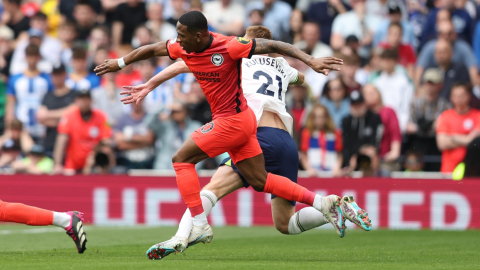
305	219
209	199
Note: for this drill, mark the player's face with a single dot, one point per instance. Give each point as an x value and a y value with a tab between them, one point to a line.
187	40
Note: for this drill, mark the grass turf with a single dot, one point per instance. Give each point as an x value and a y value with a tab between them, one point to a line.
241	248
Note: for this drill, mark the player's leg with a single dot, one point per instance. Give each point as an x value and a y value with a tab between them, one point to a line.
253	169
224	181
72	222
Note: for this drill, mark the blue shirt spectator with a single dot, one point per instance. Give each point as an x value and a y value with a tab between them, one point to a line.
277	16
323	13
81	84
462	52
408	36
476	42
461	20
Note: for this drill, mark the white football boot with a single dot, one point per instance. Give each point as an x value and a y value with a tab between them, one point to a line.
162	250
355	214
199	234
332	210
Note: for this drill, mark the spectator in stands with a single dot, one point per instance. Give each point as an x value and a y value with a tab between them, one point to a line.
424	113
13	142
321	143
85	18
353	23
68	7
36	162
160	28
469	166
50	50
80	78
395	88
100	39
54	105
391	143
106	98
101	160
16	21
143	36
462	52
335	99
256	17
79	131
361	127
406	55
134	140
453	72
296	25
225	16
179	7
351	65
25	93
323	13
311	43
457	127
407	35
413	161
170	134
127	17
299	106
463	22
277	14
67	34
129	75
199	108
6	52
365	161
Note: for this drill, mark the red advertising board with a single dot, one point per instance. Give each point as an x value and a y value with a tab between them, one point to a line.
126	200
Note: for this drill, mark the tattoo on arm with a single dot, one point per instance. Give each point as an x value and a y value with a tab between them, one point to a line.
273	46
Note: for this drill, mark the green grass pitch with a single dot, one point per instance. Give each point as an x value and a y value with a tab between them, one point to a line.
241	248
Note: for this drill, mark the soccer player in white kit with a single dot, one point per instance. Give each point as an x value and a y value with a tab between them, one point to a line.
264	81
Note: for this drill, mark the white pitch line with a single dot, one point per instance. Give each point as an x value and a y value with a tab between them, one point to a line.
31	231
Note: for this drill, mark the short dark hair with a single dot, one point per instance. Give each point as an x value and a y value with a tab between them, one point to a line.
32	49
389	54
79	53
194	21
16	2
396	24
259	11
464	85
40	16
259	31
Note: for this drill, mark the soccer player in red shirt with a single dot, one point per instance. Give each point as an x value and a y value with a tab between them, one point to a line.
215	61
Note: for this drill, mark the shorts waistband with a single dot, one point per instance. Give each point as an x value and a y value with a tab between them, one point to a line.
272	129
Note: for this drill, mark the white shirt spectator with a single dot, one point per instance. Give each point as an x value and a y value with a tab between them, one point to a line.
50	50
320	50
397	93
220	18
277	18
349	23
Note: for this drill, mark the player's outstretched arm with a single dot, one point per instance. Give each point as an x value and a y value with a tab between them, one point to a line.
138	92
142	53
320	65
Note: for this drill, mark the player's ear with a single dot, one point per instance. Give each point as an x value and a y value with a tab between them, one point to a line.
198	36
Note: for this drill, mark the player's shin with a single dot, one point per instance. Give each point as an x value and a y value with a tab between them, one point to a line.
306	219
208	202
284	188
189	186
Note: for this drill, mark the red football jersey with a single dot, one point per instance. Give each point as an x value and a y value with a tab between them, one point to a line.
217	69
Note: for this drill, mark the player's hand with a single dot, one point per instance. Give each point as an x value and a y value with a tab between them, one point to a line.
325	64
110	65
136	93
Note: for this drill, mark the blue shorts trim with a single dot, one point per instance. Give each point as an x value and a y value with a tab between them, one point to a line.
280	152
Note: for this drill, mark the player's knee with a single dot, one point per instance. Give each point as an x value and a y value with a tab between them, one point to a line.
282	228
177	158
258	186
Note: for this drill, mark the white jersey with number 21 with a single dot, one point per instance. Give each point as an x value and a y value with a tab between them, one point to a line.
264	81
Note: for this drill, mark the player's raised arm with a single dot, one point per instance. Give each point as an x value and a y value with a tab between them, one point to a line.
320	65
138	92
142	53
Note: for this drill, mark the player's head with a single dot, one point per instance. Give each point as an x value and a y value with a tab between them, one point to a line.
258	31
460	96
32	53
192	28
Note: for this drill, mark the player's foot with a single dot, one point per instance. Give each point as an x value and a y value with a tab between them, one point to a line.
162	250
355	214
75	230
203	234
332	210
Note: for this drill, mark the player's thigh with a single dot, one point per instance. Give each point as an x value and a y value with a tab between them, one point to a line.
253	170
189	152
224	181
282	211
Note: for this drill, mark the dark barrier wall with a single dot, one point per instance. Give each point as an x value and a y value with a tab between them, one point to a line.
126	200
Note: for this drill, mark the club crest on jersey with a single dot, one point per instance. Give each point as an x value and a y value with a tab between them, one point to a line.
207	127
243	40
217	59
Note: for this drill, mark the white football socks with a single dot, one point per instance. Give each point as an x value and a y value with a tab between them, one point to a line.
305	219
320	203
208	202
61	219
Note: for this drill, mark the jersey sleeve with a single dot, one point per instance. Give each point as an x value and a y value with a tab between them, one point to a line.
240	47
292	73
173	49
442	125
64	125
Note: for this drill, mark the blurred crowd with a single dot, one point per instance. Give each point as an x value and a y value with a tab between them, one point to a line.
406	97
